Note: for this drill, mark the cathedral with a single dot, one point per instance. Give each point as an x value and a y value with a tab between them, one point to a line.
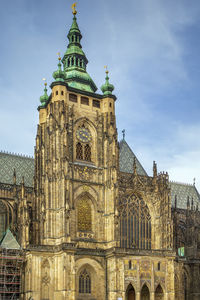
83	219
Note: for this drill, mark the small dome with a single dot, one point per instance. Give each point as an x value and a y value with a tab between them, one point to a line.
44	98
107	88
59	75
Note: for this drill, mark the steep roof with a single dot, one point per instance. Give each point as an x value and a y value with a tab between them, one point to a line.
9	241
23	165
126	159
182	192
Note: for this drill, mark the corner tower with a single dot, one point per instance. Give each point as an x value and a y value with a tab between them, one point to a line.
76	156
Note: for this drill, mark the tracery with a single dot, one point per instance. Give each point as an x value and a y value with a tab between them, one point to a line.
84	215
84	282
135	223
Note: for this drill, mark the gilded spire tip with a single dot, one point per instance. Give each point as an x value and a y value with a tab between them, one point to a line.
74	11
45	83
106	67
59	58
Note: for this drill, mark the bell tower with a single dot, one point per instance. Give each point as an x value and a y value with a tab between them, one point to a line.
76	156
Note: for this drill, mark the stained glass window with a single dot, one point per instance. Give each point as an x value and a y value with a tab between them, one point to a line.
84	215
135	223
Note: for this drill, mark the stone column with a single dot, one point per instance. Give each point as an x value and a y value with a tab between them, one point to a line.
137	295
152	296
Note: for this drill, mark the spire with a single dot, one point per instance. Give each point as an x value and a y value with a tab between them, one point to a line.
134	166
175	201
14	176
75	61
107	88
154	169
188	202
123	133
44	98
59	75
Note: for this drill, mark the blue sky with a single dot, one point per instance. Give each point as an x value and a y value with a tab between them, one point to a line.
152	52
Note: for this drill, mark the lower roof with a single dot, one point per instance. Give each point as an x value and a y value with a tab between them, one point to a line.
24	167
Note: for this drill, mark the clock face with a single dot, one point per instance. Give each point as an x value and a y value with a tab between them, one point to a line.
83	135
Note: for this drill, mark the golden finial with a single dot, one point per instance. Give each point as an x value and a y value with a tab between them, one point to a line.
74	8
45	83
59	58
106	67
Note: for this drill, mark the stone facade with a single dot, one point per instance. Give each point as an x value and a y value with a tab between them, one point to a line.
89	230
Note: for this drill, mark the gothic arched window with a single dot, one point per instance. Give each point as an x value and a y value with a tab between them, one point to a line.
135	223
83	146
84	283
84	215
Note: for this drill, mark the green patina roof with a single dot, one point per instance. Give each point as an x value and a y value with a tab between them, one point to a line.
75	62
59	75
24	166
126	159
44	98
9	241
107	88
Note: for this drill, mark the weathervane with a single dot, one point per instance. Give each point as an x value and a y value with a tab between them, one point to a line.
74	8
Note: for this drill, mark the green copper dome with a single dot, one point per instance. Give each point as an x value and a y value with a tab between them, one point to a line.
44	98
107	88
59	75
75	62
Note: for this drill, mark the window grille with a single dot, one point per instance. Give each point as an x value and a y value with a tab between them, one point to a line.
84	100
79	151
87	152
84	283
135	223
73	98
96	103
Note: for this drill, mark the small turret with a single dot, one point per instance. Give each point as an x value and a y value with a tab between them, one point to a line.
134	167
188	202
192	205
59	75
14	177
22	188
154	169
175	202
107	88
44	98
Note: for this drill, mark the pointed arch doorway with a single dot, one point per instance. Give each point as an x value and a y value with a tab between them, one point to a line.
145	295
159	295
130	293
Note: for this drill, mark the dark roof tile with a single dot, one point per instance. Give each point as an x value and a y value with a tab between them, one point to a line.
23	165
126	159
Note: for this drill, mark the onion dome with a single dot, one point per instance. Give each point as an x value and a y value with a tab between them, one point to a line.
75	61
107	88
59	75
44	98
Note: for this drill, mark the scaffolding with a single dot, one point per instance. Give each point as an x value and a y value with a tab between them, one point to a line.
11	263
